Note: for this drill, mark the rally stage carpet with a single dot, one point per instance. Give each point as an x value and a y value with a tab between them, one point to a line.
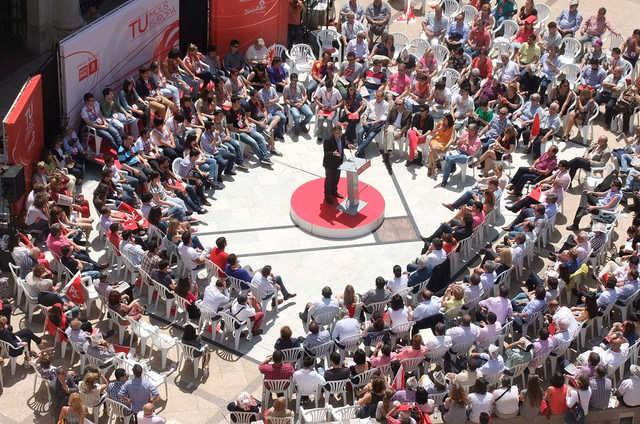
310	212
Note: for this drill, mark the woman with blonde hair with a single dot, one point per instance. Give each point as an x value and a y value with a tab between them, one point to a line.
278	410
456	405
453	297
90	388
75	412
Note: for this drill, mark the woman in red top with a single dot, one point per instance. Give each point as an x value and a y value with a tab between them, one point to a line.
349	300
525	31
483	63
556	395
183	289
56	319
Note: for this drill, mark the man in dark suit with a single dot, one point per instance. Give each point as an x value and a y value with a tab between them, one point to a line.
333	157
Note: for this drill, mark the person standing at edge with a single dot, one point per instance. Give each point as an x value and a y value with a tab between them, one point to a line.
333	157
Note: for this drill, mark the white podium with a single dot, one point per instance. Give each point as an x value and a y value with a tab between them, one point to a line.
352	205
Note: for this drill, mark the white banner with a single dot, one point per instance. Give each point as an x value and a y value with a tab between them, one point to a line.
108	51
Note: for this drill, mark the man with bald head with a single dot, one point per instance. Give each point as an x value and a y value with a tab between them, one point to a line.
147	416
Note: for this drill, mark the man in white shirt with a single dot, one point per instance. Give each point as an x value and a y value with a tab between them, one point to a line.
241	311
307	380
215	296
345	327
435	25
464	334
257	53
629	389
359	46
270	284
488	276
373	120
130	249
494	365
626	288
327	304
191	258
328	99
558	313
608	294
506	400
509	70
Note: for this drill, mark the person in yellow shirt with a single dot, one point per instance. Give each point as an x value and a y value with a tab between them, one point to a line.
440	140
453	298
529	52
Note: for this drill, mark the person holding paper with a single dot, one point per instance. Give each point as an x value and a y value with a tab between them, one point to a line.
333	157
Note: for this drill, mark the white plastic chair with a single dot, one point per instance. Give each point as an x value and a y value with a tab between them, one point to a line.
401	331
518	372
302	58
400	41
233	327
336	387
470	13
509	29
544	12
189	352
349	345
322	351
412	365
572	73
325	39
315	415
278	51
270	386
441	53
117	410
451	77
164	343
265	297
144	332
243	417
572	49
346	413
417	46
450	8
163	294
121	322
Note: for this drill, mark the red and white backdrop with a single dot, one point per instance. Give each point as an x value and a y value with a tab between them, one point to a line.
246	20
106	52
23	128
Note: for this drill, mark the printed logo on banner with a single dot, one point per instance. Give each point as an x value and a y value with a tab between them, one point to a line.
87	69
151	18
258	9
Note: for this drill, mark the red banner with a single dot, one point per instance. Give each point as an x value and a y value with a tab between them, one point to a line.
246	20
23	127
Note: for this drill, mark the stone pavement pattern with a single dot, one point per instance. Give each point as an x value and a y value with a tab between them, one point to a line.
253	213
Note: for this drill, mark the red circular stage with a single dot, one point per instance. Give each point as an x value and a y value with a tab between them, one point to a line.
310	212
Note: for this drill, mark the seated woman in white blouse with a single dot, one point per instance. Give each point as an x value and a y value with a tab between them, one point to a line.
398	313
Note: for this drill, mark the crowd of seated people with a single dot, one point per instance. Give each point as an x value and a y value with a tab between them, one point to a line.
176	131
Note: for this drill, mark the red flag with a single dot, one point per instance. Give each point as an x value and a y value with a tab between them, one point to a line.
398	380
535	128
74	290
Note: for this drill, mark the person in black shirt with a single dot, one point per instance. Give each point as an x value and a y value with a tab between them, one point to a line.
337	370
238	123
163	277
74	265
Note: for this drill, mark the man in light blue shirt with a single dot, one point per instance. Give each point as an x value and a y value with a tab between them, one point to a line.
458	32
593	75
626	288
435	25
569	20
496	128
427	313
550	68
138	391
